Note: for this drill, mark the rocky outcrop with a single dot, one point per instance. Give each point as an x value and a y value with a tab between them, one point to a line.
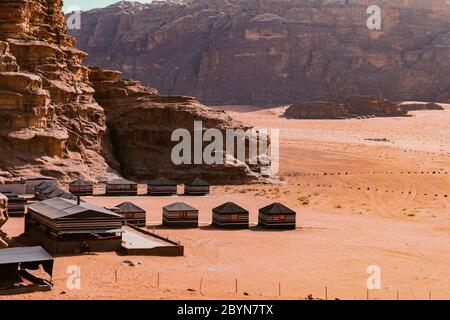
51	120
51	123
416	106
317	110
272	51
372	105
3	219
141	123
348	107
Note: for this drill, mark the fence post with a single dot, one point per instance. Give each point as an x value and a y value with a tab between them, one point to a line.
279	289
115	275
201	283
326	293
158	280
236	285
367	294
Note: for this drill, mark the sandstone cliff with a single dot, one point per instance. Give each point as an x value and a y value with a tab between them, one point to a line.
52	123
141	123
272	51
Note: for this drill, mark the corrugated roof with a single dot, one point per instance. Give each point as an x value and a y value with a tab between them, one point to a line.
57	208
179	206
276	208
229	207
162	182
128	207
23	254
196	182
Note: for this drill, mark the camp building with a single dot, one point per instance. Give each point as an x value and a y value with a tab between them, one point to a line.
16	204
121	187
14	263
230	215
162	187
131	214
180	214
277	216
63	226
81	188
196	186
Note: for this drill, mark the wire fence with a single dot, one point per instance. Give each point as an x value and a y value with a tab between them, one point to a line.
140	284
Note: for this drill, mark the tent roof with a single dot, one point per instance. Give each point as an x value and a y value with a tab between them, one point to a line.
276	208
27	255
78	183
162	182
196	182
121	181
45	184
128	207
229	207
179	206
37	178
57	208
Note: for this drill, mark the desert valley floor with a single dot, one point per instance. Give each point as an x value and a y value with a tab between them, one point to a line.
366	191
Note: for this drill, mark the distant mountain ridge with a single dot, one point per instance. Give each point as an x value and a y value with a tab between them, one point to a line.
271	51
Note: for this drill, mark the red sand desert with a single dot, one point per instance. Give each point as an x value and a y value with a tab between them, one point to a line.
360	201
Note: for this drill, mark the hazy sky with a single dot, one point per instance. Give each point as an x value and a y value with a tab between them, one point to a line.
89	4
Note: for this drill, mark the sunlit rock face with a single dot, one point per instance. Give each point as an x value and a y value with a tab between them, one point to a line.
52	116
272	51
50	122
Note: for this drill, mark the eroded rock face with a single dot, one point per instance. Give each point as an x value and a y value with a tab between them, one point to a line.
420	106
347	107
272	51
317	110
3	219
141	123
51	123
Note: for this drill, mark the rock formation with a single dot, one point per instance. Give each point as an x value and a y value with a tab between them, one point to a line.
141	123
348	107
272	51
415	106
3	219
52	124
317	110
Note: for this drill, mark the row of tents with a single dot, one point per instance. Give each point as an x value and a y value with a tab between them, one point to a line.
124	187
227	215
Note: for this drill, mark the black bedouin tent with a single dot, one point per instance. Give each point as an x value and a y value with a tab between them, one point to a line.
161	186
64	226
277	216
230	215
180	214
16	204
14	263
132	214
81	188
121	187
196	186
